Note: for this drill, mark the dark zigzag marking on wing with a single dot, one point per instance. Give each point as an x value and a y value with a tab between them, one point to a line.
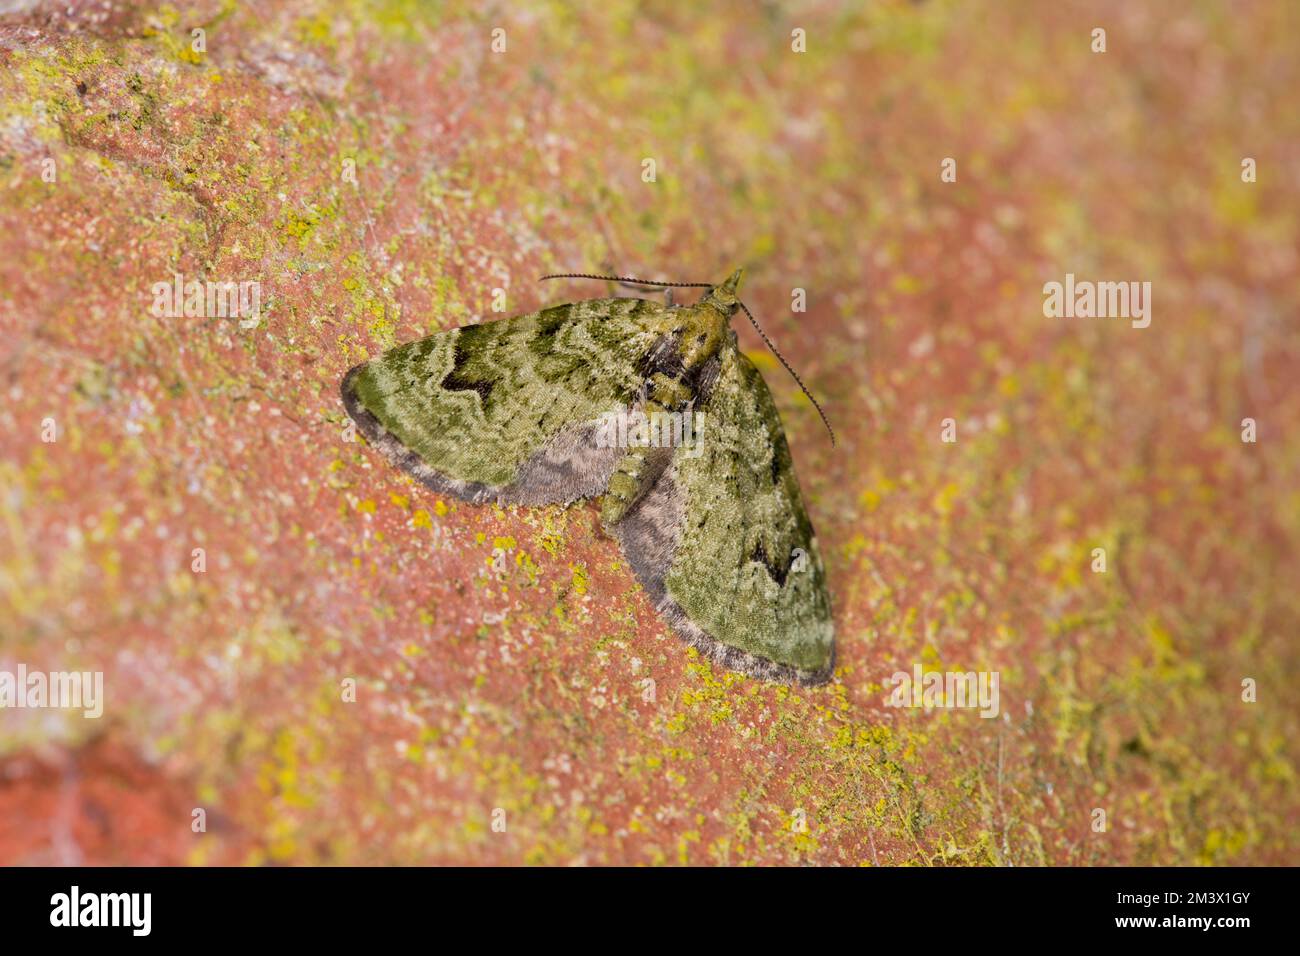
455	380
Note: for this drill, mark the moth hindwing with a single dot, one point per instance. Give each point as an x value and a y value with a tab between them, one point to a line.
518	412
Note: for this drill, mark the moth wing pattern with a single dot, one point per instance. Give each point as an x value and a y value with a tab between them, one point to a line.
507	411
724	547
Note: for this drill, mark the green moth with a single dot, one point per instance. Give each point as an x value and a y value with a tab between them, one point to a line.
517	412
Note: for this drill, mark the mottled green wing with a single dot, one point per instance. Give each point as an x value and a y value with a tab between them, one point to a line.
507	411
723	545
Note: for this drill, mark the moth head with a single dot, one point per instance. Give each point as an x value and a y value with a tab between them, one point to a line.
723	297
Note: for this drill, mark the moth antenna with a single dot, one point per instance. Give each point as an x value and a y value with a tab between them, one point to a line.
662	285
803	388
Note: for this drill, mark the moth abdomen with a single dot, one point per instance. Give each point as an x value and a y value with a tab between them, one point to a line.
634	475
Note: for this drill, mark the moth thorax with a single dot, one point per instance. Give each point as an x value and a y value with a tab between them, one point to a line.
671	393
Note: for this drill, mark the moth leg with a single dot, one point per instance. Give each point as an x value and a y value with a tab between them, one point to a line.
668	298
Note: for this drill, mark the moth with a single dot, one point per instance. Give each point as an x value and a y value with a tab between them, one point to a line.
516	412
